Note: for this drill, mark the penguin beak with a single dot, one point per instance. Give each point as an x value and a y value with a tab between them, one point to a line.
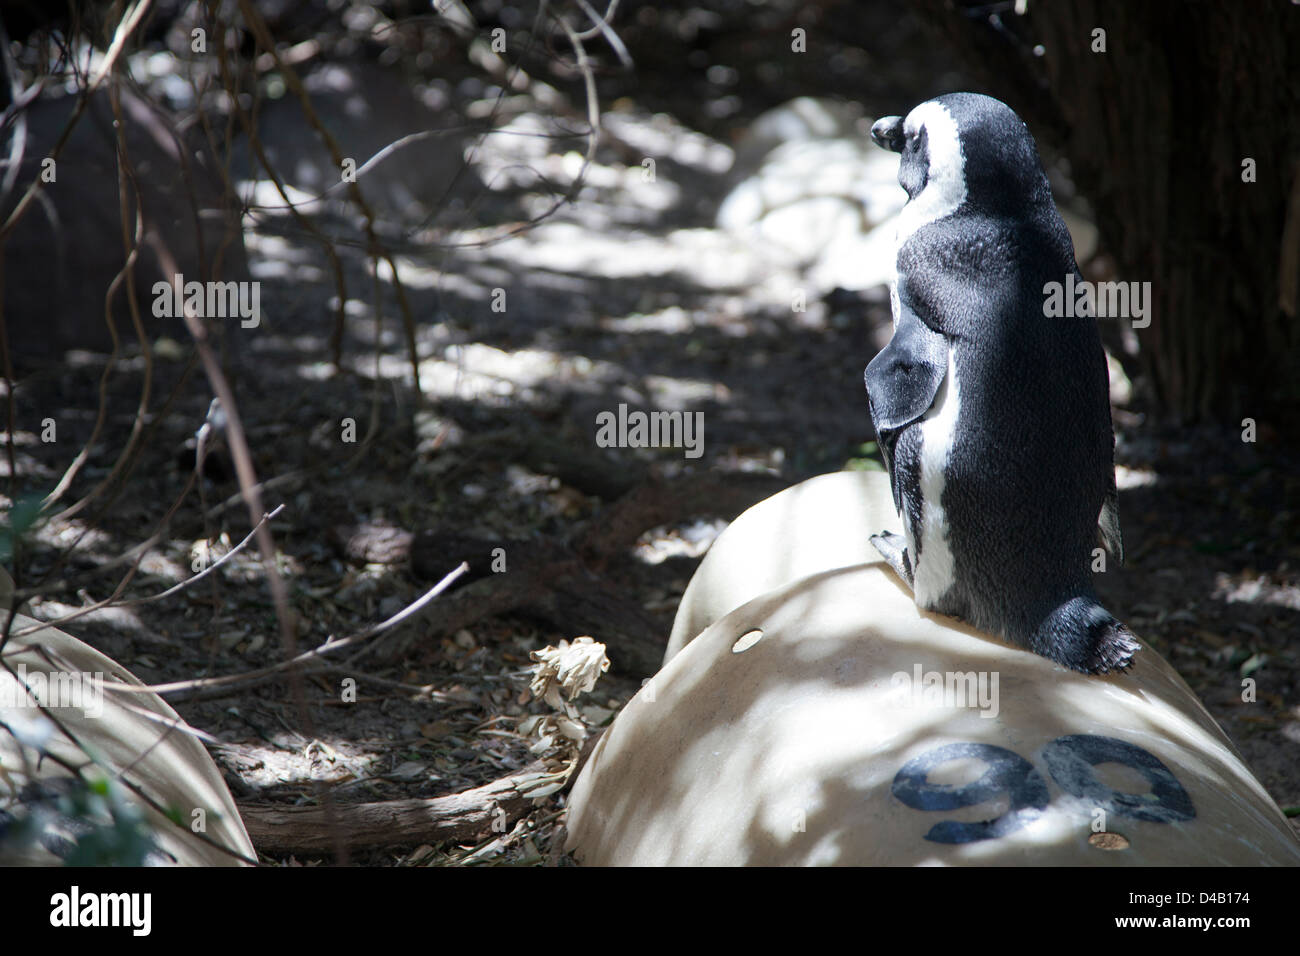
888	133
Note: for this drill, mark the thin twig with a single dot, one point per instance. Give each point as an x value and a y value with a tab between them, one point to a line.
329	646
375	248
124	28
127	273
150	598
602	27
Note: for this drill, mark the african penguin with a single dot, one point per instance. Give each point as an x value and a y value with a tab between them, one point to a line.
993	419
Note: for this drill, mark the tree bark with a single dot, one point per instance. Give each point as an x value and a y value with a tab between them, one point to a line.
1156	129
458	816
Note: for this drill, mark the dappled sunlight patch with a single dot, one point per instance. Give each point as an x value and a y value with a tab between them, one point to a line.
1127	478
686	540
1250	587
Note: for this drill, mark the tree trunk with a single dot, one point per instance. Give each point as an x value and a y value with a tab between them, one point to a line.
1157	129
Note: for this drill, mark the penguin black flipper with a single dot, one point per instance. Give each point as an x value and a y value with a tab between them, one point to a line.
1108	524
902	382
1108	530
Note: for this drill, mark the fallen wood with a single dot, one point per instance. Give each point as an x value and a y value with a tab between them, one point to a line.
560	583
496	595
657	502
590	471
458	816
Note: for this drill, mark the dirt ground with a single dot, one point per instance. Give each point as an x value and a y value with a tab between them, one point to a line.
629	295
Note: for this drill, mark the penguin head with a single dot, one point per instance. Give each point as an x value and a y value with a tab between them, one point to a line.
965	150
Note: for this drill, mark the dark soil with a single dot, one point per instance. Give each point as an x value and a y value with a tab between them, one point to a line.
604	308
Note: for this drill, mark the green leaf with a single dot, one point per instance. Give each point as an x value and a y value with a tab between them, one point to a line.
1253	663
22	516
863	464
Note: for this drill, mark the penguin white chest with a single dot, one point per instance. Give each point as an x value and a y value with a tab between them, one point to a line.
932	559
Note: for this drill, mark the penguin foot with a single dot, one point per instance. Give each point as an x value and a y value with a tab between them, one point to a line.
893	548
1083	636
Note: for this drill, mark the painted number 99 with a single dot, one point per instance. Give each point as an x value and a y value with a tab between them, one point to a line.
1070	761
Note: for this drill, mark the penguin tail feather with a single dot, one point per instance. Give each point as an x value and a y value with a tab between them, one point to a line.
1083	636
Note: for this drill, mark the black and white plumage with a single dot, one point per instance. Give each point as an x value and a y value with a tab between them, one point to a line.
993	418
